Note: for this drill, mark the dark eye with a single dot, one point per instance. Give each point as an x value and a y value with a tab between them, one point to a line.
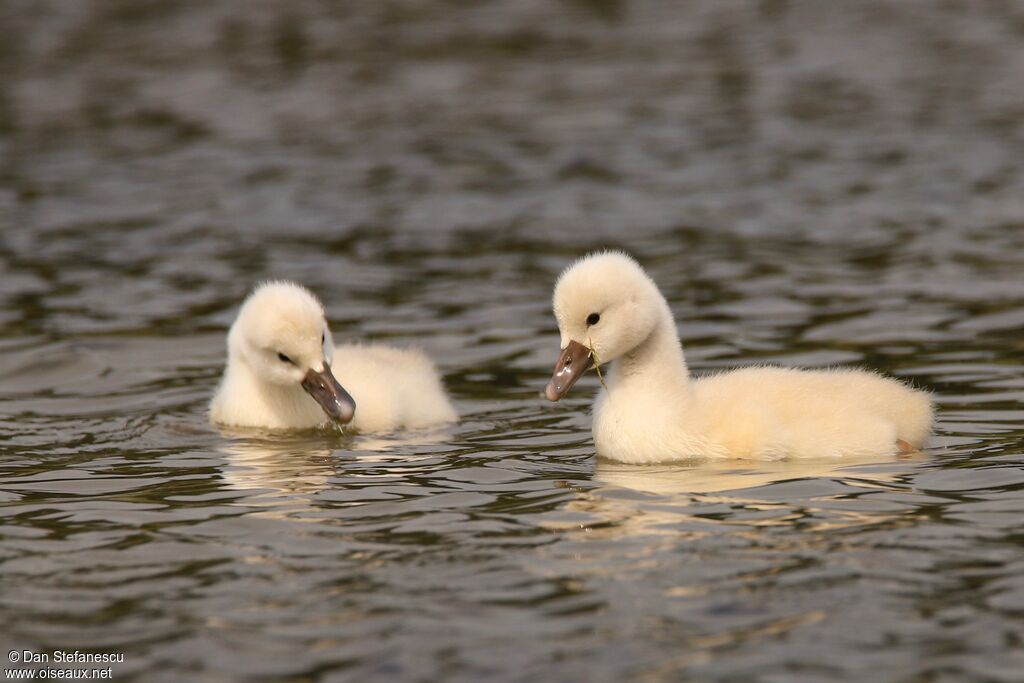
284	359
323	338
593	318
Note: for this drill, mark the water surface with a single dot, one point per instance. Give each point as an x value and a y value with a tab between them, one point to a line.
810	185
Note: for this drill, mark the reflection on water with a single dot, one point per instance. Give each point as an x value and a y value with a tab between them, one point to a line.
810	183
280	476
288	473
717	475
825	494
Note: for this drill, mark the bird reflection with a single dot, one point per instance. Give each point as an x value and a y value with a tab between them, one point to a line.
695	499
279	475
284	474
721	476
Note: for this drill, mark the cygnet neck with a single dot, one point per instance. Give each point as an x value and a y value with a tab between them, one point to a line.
655	364
283	406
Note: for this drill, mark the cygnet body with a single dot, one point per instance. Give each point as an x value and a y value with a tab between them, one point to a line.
610	312
284	372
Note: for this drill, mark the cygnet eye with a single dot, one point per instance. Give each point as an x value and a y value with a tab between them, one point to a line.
593	318
323	338
285	359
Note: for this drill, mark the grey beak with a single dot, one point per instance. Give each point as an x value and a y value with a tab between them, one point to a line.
574	360
331	396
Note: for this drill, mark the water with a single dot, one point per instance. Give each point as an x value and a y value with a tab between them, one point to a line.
810	184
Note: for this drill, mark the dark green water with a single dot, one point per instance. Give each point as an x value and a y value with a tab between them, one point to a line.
810	183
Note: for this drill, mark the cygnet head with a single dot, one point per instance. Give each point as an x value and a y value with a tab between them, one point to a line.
281	336
606	305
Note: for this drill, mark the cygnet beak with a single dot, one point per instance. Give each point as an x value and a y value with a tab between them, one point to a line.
574	360
331	396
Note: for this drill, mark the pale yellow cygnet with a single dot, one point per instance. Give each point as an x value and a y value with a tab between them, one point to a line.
284	372
610	312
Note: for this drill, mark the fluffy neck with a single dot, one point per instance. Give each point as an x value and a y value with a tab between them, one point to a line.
243	399
656	366
647	415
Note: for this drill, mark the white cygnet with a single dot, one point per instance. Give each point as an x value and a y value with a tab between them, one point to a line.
610	312
283	372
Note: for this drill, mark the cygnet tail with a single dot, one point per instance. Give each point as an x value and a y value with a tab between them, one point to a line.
914	417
